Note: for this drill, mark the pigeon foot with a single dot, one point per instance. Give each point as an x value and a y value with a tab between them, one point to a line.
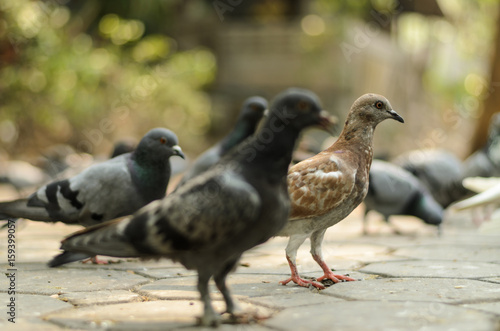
243	317
95	260
209	319
303	282
335	278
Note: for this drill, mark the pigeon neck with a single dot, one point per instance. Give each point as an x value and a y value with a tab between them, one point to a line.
150	175
358	133
271	149
242	130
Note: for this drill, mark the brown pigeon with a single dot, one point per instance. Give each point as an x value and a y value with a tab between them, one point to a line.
325	188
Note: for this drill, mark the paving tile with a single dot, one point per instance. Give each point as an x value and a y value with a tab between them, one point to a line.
417	289
480	253
447	269
374	316
55	280
490	307
29	305
293	297
401	241
31	324
99	297
451	282
170	313
161	269
408	225
277	264
492	279
240	285
159	326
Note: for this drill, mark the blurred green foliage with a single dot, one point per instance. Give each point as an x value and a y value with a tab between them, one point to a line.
452	52
57	81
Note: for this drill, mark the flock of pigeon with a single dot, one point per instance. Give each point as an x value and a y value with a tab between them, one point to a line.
423	183
240	193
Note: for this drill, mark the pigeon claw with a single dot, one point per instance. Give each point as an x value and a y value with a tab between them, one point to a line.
303	282
335	278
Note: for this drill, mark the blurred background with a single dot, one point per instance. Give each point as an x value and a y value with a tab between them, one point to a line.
87	73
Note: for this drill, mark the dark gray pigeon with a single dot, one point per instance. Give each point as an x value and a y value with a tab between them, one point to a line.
439	170
394	191
209	222
486	161
114	188
251	112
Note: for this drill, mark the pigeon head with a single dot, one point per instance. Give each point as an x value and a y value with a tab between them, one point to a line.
159	143
254	108
428	209
374	108
299	107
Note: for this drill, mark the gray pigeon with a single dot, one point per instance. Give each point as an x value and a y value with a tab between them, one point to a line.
395	191
326	188
209	222
486	161
114	188
251	112
439	170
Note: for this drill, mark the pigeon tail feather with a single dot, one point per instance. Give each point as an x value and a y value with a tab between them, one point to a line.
19	209
102	239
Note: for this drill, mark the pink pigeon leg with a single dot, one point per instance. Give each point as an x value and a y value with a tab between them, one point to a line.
297	279
316	241
291	253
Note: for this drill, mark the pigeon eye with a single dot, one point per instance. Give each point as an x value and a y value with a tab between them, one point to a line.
303	105
163	140
379	104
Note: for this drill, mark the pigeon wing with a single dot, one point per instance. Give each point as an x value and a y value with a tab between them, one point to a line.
206	212
102	191
319	184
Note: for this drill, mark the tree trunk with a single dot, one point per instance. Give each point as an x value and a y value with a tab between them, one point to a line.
492	101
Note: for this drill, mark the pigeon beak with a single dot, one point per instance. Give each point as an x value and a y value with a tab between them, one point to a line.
327	122
178	151
266	113
396	116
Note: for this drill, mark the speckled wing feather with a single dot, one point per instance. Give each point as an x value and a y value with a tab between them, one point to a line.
207	211
319	184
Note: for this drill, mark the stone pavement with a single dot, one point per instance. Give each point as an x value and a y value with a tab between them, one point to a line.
414	281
